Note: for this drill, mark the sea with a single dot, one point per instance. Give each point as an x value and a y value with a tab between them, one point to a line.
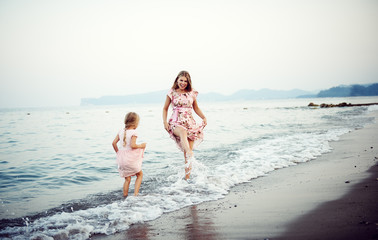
59	178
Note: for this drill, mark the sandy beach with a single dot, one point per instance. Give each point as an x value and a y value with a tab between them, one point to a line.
332	197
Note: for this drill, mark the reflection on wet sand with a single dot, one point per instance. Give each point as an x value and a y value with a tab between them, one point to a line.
190	224
138	231
200	227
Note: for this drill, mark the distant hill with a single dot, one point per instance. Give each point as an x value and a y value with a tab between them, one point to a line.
151	97
267	94
159	96
350	91
245	94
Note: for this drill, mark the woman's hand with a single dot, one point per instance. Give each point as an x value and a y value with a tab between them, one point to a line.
165	112
204	122
143	145
166	126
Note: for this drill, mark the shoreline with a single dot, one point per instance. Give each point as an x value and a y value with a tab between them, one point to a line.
331	197
354	216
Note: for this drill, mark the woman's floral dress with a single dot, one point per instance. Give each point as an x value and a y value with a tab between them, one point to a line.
182	116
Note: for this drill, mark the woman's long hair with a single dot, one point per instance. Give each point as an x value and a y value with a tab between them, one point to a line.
183	74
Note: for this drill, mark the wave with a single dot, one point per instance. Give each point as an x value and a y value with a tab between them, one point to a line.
373	108
110	213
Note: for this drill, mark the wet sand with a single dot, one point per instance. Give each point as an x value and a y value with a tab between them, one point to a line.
332	197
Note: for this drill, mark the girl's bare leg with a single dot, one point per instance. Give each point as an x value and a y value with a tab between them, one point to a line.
126	185
138	182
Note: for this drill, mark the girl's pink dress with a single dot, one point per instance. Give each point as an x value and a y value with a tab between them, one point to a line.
182	116
129	160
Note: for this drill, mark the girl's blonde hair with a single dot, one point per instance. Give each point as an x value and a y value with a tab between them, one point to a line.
131	120
183	74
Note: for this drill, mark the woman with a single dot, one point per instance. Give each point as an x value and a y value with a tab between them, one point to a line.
181	126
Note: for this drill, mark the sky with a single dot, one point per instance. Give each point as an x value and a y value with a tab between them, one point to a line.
53	53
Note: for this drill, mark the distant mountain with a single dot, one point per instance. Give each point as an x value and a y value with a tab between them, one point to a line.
151	97
159	96
350	91
245	94
267	94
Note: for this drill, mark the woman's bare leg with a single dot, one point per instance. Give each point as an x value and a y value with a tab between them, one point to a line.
126	185
138	182
191	144
187	145
182	133
188	167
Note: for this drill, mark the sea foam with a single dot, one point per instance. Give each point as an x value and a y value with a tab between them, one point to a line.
259	140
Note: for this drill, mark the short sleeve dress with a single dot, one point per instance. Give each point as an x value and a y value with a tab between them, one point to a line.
129	160
182	105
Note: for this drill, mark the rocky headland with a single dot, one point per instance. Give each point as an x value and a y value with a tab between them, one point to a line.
343	104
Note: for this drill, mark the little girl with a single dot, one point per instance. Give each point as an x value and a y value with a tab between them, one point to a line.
130	154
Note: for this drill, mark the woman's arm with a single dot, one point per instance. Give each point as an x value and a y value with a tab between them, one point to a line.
116	139
134	145
165	112
199	112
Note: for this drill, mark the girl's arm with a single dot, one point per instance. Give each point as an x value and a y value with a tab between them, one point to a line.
134	145
199	112
165	112
116	139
